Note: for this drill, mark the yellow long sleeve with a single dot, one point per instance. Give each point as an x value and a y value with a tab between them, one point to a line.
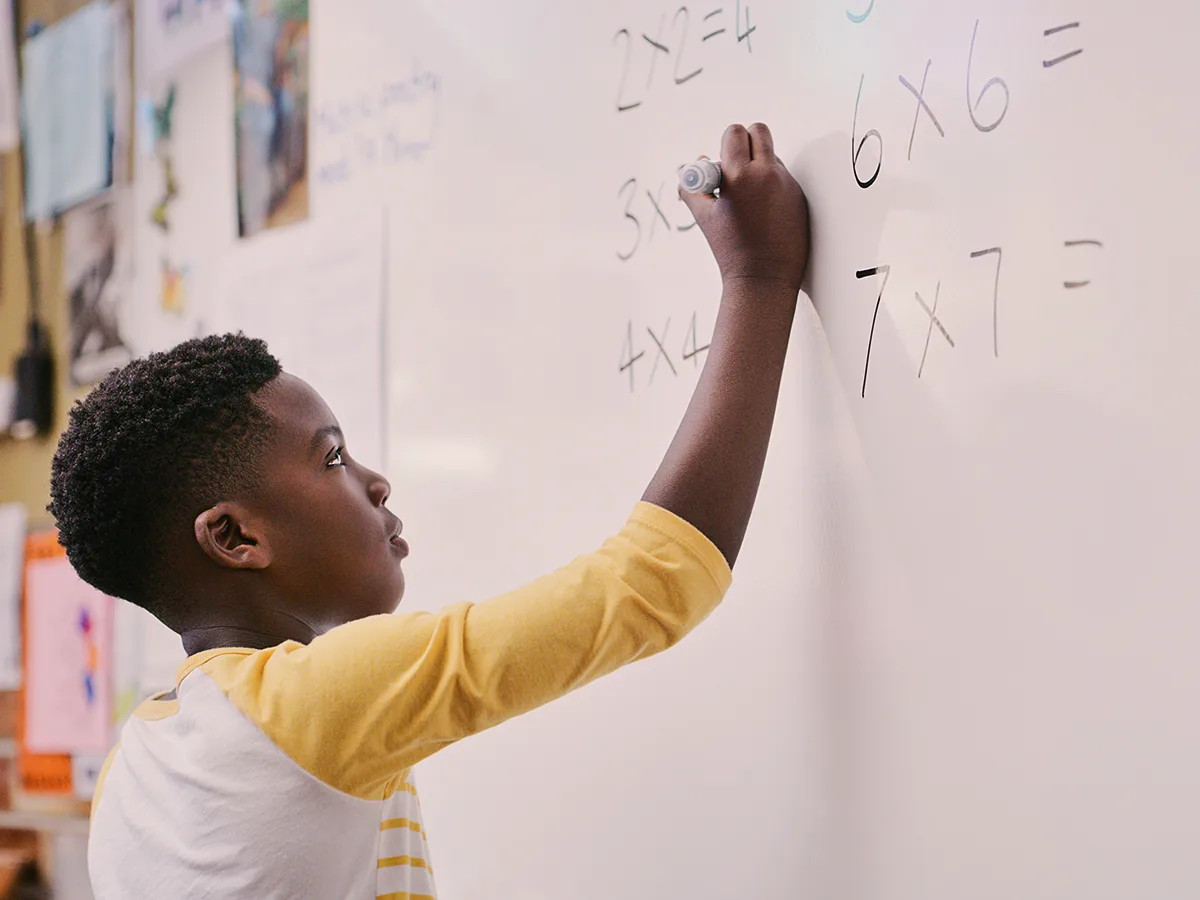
374	697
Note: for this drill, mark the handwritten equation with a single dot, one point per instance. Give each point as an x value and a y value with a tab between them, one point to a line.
649	209
867	167
667	353
991	256
674	51
390	124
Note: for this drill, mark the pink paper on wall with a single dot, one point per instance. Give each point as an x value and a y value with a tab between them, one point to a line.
68	661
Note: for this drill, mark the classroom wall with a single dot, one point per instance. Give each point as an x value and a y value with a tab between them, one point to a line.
25	465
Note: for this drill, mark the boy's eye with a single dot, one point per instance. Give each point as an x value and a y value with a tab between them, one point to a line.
335	459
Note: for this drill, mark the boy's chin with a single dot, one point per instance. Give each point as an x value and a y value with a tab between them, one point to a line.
380	606
394	604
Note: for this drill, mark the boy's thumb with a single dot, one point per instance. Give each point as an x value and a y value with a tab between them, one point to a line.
699	205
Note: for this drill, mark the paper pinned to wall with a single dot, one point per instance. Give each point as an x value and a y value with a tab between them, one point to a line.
85	774
10	120
12	563
98	271
270	58
68	663
66	99
170	34
315	293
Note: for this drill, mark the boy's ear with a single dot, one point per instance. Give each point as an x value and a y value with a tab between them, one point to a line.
228	537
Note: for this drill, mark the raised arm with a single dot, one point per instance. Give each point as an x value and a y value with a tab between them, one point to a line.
391	690
758	231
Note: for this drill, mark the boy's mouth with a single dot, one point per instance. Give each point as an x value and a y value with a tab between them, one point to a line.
395	526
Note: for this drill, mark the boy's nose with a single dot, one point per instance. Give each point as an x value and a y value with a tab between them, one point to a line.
378	489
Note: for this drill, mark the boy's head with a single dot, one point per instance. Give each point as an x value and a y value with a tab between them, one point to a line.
210	487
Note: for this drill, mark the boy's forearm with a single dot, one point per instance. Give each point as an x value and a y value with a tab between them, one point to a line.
710	474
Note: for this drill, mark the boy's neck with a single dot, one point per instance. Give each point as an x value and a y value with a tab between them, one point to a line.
218	637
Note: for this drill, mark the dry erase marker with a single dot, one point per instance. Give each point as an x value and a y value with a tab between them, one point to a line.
701	177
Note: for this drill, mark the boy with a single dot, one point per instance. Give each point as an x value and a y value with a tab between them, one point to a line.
216	491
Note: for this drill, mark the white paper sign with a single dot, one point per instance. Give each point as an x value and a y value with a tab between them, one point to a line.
66	93
10	128
170	32
12	566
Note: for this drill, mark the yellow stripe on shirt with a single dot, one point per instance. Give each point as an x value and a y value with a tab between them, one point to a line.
398	788
405	895
415	861
389	824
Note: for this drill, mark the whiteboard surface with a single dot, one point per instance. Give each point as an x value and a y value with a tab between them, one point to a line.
958	657
314	293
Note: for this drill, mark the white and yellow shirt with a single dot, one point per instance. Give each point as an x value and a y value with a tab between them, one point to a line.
285	773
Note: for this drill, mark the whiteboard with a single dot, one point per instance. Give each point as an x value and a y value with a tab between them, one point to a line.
957	659
313	291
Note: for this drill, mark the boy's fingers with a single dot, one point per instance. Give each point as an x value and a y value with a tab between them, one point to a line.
762	145
697	204
735	150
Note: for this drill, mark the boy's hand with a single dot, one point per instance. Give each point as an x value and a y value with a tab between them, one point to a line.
758	226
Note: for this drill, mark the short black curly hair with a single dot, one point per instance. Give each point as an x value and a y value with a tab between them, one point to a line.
155	444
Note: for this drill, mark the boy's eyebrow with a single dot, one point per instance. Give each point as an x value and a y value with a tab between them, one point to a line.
327	431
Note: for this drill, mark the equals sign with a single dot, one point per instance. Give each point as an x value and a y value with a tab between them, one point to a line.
1047	63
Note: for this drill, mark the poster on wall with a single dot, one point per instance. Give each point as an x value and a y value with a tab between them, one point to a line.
67	103
270	51
68	661
39	773
171	32
172	293
99	277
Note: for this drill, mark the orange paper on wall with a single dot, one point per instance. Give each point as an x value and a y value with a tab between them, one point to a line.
67	650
